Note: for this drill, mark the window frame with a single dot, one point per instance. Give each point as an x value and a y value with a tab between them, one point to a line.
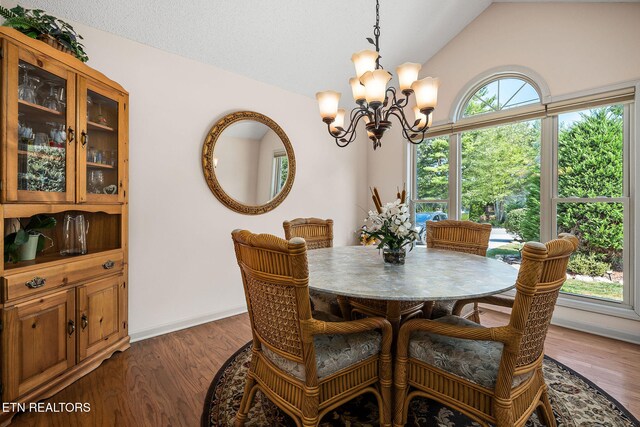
547	111
628	291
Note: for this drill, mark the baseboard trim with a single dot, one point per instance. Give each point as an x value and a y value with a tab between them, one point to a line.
597	330
185	323
589	328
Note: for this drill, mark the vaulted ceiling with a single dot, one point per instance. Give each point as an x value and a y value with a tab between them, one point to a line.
300	45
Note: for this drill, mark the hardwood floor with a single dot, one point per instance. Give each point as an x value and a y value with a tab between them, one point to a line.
163	381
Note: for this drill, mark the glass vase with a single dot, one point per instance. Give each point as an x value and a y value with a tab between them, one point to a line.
394	256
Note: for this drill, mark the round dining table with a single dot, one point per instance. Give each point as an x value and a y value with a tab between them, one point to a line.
427	275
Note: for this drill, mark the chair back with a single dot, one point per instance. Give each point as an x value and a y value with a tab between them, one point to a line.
275	276
318	233
542	273
459	236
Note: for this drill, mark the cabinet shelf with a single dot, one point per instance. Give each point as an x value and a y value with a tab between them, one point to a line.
36	111
97	126
99	166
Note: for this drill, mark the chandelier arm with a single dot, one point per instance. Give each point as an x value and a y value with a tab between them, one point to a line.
408	131
354	117
346	137
341	136
399	113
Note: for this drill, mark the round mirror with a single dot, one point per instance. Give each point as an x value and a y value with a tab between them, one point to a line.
248	162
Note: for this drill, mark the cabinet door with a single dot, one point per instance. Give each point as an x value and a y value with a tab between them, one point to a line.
38	341
40	150
98	315
102	137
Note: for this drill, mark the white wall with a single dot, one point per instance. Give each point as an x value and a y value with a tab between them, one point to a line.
573	47
182	264
237	170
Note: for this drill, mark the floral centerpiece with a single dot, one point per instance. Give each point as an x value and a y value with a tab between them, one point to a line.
391	227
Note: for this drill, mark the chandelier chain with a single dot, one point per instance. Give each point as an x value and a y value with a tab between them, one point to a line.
376	33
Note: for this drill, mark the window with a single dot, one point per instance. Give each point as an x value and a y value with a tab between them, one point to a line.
280	172
534	171
431	183
500	95
498	166
591	199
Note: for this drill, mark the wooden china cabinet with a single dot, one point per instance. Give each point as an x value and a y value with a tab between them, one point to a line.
64	153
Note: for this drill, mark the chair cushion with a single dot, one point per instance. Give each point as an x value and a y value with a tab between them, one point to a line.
325	302
476	361
442	308
333	352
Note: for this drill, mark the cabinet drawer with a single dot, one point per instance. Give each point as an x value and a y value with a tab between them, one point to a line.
24	284
94	267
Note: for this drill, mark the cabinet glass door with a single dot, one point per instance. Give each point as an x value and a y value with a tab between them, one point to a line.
40	156
100	145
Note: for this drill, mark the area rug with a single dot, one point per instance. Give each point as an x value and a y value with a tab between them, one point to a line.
576	401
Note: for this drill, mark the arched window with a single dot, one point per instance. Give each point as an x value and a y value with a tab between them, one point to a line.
500	94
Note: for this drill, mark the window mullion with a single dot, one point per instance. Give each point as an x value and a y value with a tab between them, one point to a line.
455	176
547	178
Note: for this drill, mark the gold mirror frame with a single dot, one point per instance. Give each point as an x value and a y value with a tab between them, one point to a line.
208	167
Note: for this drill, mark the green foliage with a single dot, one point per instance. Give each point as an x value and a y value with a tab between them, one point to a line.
530	224
590	155
510	249
432	167
588	265
496	166
513	223
34	22
480	103
590	165
14	240
606	290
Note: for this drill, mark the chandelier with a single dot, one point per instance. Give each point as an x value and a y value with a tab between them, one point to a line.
376	102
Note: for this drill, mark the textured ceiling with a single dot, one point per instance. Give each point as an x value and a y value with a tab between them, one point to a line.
300	45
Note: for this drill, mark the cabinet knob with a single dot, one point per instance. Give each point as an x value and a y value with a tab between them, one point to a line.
71	327
108	265
36	282
71	134
84	321
84	138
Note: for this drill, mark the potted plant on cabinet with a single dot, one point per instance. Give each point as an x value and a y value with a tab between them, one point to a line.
24	244
36	24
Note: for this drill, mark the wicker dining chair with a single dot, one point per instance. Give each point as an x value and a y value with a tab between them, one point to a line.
303	365
318	233
493	375
459	236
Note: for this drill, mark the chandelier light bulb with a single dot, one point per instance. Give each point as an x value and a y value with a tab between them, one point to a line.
357	89
338	121
426	91
328	104
407	74
364	61
375	86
